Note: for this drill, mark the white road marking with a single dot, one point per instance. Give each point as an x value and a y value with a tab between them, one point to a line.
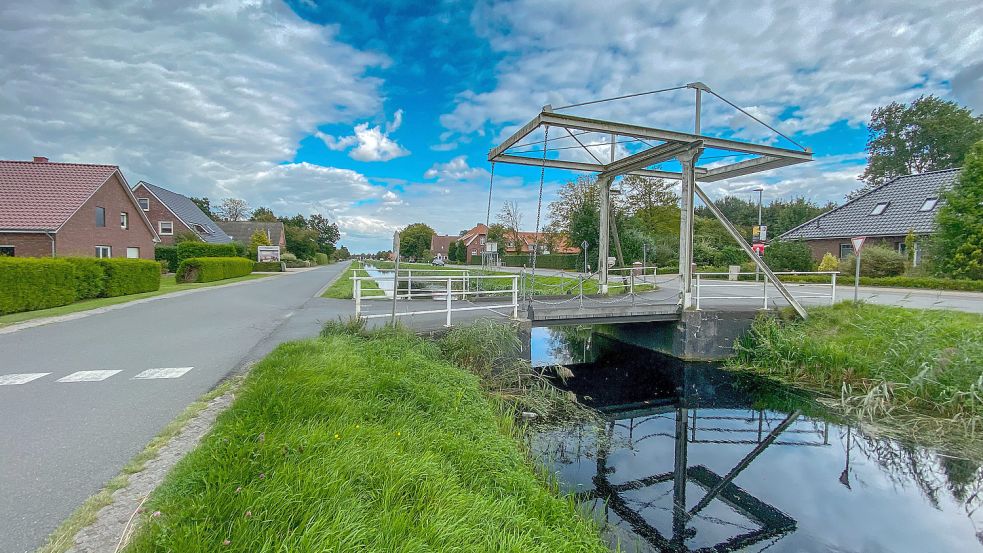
88	376
23	378
173	372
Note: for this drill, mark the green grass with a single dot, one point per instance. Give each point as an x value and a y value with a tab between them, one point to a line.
927	283
913	369
167	285
361	443
343	287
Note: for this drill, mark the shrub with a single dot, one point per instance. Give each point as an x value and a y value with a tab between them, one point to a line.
90	277
187	250
567	262
165	267
321	258
241	249
730	255
875	261
296	263
130	276
209	269
788	256
268	267
829	263
27	283
167	254
287	256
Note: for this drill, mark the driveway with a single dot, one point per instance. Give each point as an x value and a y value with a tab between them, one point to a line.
87	395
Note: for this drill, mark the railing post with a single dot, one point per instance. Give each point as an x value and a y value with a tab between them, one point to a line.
409	284
580	278
697	291
764	289
832	293
448	296
358	297
515	297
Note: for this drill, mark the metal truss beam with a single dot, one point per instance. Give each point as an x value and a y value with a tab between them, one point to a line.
746	167
648	157
587	167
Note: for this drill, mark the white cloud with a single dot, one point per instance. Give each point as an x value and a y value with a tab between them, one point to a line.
370	143
456	169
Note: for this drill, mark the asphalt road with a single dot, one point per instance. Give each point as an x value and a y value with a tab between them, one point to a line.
60	442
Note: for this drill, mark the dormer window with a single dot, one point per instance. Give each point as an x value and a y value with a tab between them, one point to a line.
879	208
929	204
200	229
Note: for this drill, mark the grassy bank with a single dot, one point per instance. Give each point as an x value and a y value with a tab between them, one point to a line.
343	288
361	443
167	285
925	283
914	371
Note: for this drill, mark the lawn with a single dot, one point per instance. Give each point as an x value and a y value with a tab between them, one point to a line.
167	285
361	443
343	287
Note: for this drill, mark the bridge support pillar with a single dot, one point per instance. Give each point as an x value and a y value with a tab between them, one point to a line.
688	161
604	242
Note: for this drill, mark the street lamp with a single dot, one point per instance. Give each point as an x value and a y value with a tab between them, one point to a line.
759	191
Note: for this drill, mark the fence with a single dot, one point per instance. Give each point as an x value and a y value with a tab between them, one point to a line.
759	291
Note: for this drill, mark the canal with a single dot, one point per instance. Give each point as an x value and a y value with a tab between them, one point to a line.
691	457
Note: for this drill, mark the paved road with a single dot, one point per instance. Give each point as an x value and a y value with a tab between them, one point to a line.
74	422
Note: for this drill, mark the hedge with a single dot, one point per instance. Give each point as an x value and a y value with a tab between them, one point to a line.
268	267
167	254
130	276
569	262
188	250
90	277
209	269
27	284
321	258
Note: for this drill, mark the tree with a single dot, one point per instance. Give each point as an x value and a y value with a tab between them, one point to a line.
511	218
926	135
298	221
957	247
327	233
497	233
186	236
301	241
263	214
233	209
414	240
343	253
788	256
258	238
203	204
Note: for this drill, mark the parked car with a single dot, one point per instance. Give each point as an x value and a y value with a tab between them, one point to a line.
438	262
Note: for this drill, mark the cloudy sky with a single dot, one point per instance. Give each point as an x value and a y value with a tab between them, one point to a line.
380	114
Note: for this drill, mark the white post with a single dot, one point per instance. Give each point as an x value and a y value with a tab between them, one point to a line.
358	297
515	297
605	232
765	294
856	280
832	294
409	284
697	291
448	296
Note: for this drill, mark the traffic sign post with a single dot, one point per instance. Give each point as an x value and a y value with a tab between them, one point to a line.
858	244
396	275
584	245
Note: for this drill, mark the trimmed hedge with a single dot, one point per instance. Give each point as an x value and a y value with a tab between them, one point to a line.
130	276
209	269
27	284
321	258
569	262
90	277
167	254
268	267
188	250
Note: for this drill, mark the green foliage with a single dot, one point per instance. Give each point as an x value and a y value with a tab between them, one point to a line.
829	263
186	250
414	240
788	256
263	214
569	262
90	277
209	269
875	261
129	276
28	283
927	135
167	254
268	267
321	258
301	241
165	267
957	247
186	236
258	238
204	204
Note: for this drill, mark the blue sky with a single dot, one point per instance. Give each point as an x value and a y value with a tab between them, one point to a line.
380	114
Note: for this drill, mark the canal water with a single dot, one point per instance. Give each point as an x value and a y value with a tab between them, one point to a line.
689	457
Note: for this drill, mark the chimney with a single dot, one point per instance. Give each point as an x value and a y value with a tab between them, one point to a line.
40	159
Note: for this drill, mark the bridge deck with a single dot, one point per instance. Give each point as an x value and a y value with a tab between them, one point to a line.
554	314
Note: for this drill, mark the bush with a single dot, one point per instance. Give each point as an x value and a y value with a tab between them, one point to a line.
730	255
296	263
165	267
268	267
209	269
321	258
27	284
130	276
167	254
567	262
875	261
188	250
829	263
788	256
241	249
90	277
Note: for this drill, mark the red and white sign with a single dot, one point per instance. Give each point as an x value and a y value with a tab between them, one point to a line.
858	243
759	249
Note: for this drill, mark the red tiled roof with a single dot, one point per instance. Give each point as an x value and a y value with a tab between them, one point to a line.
42	196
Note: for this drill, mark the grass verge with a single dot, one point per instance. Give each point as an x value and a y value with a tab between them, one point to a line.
167	285
343	287
913	372
62	538
356	442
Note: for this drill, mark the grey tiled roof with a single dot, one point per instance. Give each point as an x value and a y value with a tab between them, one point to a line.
189	213
243	230
904	196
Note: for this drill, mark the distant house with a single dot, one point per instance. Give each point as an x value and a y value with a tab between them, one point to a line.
172	214
242	231
70	209
884	215
475	239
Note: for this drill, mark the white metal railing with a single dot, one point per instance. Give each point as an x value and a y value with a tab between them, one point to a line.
444	289
759	290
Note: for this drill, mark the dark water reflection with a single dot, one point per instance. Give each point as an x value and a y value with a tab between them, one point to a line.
692	458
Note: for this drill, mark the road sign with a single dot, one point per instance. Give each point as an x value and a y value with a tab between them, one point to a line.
584	244
759	233
858	243
759	249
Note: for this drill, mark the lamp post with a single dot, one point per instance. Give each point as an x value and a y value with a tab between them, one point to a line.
757	270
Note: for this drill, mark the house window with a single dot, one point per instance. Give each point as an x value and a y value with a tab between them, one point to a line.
144	203
100	216
133	253
879	208
165	228
901	246
482	240
929	204
104	251
6	251
200	229
846	250
124	220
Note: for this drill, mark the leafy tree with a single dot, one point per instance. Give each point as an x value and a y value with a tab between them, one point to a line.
298	221
958	244
414	240
452	250
327	233
203	204
187	236
788	256
233	209
926	135
511	218
258	238
343	253
301	241
263	214
497	233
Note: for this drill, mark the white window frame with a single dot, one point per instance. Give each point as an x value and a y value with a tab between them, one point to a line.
160	228
849	250
129	248
929	204
107	249
124	220
140	203
880	208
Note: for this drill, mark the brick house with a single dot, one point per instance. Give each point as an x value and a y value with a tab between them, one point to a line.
474	241
884	215
70	209
172	214
242	231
